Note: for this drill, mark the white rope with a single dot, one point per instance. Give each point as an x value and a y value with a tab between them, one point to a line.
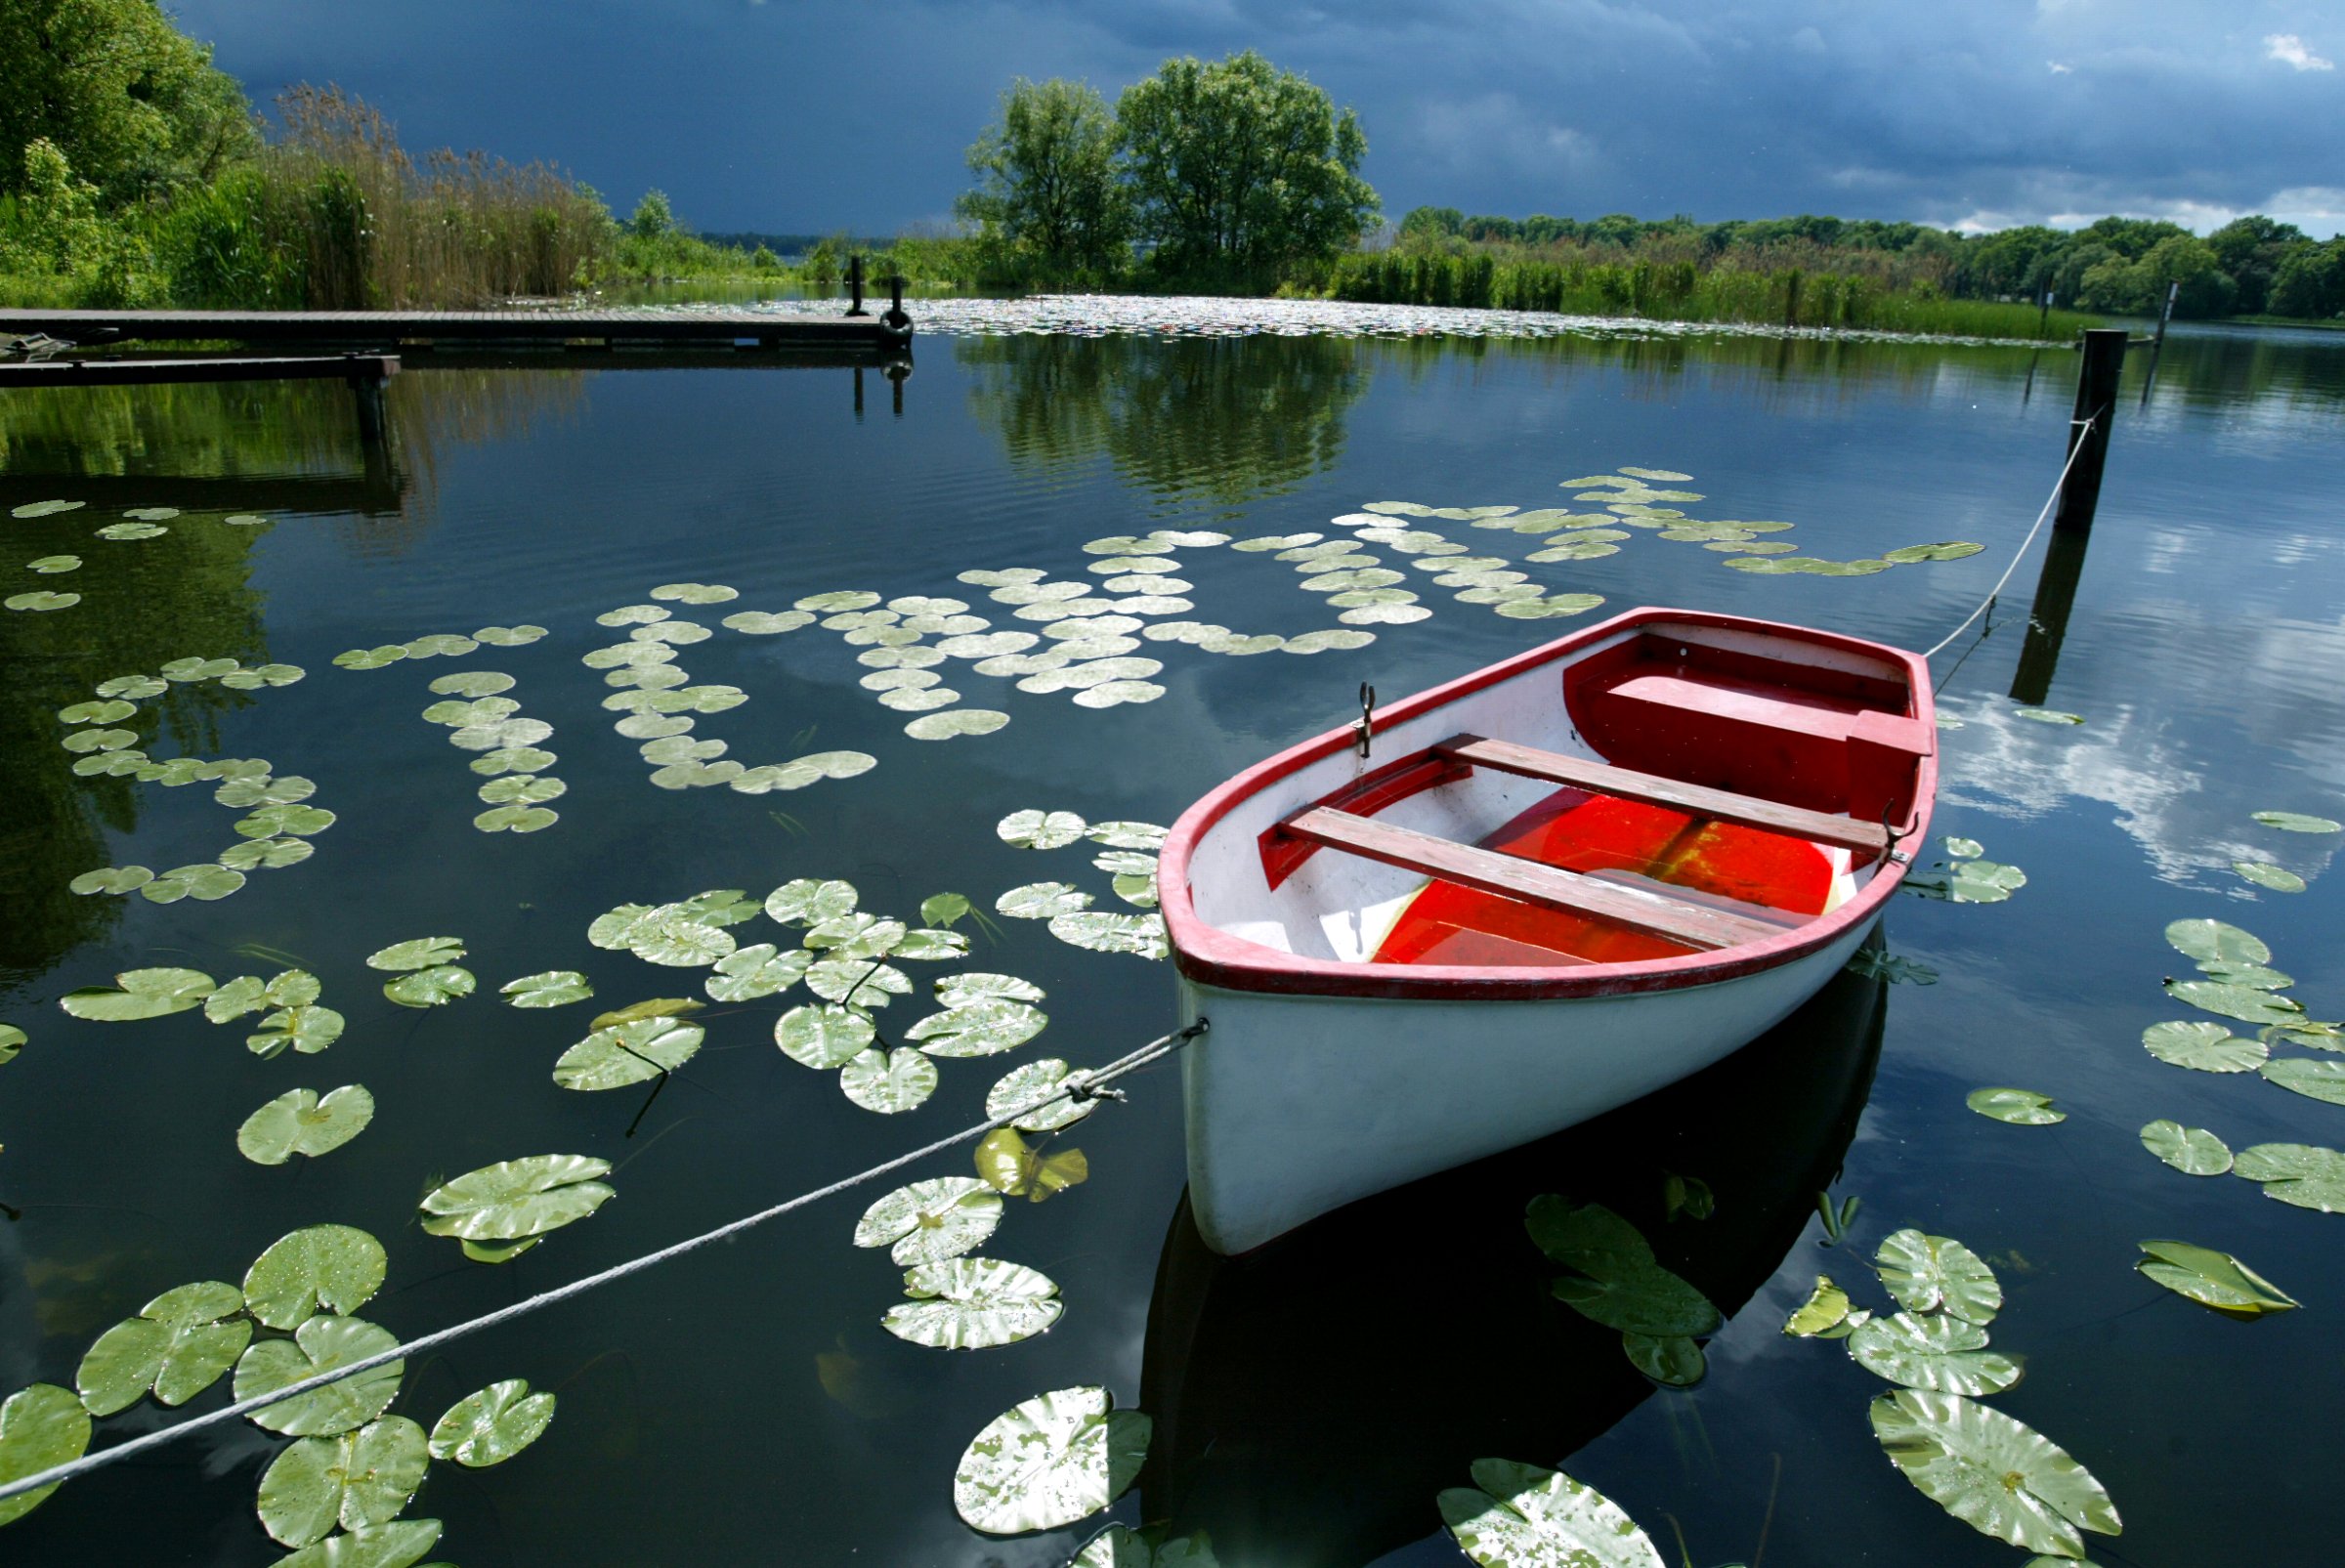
1088	1087
1996	591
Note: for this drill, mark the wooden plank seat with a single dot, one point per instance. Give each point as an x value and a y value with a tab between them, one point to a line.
1823	827
1723	696
1511	877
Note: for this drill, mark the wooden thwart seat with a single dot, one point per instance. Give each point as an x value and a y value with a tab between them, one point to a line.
1504	756
1511	877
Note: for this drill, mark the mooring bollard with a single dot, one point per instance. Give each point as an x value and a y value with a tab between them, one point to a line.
2102	364
895	320
855	285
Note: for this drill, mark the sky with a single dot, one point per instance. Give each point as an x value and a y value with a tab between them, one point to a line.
804	115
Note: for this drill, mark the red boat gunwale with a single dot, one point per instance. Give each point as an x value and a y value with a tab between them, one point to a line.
1210	956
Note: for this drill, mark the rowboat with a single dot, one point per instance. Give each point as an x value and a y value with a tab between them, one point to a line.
1516	900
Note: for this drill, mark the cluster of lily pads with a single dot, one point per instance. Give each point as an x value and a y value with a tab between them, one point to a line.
2275	879
1965	877
1616	1281
1995	1473
279	821
1129	859
145	522
336	1492
480	718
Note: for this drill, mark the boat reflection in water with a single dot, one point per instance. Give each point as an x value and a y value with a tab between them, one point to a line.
1313	1397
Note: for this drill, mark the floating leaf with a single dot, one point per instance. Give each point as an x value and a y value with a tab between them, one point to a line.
1670	1360
40	599
1636	1295
1937	1273
2203	1048
1944	1355
205	880
2243	1002
298	1122
985	1026
1049	1461
133	530
1101	932
358	1480
555	987
864	983
944	726
40	1427
1010	1166
397	1545
431	987
930	1221
2314	1079
2045	715
1971	881
45	509
11	1040
2193	1151
888	1081
111	879
2021	1108
807	902
1035	1082
140	993
321	1344
335	1268
627	1054
176	1347
1522	1516
1039	901
492	1426
420	954
308	1030
823	1036
1950	550
2264	874
1823	1315
973	1303
2303	1174
2213	1279
2215	942
516	1199
2001	1477
2297	822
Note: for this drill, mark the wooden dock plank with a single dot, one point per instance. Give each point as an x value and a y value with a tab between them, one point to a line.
471	326
1511	877
1749	811
112	372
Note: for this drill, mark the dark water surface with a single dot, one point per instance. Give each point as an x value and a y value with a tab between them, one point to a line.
743	1406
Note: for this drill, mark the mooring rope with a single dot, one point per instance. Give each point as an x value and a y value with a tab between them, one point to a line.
1087	1087
2020	554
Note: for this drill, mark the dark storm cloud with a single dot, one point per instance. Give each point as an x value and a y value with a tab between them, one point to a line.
802	115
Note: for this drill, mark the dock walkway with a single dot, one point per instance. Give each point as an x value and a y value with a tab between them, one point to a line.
545	328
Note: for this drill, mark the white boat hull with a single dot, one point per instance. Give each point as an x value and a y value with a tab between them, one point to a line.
1299	1104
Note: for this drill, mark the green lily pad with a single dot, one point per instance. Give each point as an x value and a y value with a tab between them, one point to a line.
889	1082
1519	1516
1937	1273
1039	901
358	1480
1009	1166
423	952
446	645
298	1122
306	1030
334	1268
116	879
2193	1151
401	1543
973	1303
930	1221
2264	874
2213	1279
2297	822
762	623
45	509
431	987
2216	942
206	881
370	658
823	1036
1950	550
2202	1046
1035	1082
110	711
807	902
2254	976
555	987
1673	1361
1049	1461
520	790
1971	881
40	1427
627	1054
762	970
513	759
140	993
508	636
2045	715
2315	1080
516	818
132	531
1617	1280
1098	931
2001	1477
983	1028
516	1199
302	822
2021	1108
2242	1002
11	1040
1944	1355
1825	1314
2303	1174
492	1426
263	790
860	982
92	741
40	599
174	1348
321	1344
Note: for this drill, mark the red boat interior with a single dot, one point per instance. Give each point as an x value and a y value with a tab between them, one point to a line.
1738	793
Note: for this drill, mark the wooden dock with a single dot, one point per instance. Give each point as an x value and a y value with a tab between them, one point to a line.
666	327
119	372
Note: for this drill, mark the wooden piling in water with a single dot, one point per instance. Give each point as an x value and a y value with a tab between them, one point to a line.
2103	363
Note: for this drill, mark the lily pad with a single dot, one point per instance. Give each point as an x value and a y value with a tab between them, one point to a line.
2046	715
174	1348
45	509
2193	1151
930	1221
301	822
358	1480
133	530
401	1543
1012	1168
2202	1046
140	993
334	1268
889	1082
116	879
1824	1315
420	954
2021	1108
306	1030
492	1426
2000	1476
40	599
951	722
1034	1083
2315	1080
761	970
298	1122
983	1028
1937	1273
1099	931
2297	822
2264	874
2303	1174
40	1427
2246	1003
205	881
627	1054
1049	1461
321	1344
11	1040
555	987
1673	1361
824	1036
2216	942
808	902
1519	1516
431	987
638	1011
1944	1355
1039	901
516	1199
2213	1279
974	1303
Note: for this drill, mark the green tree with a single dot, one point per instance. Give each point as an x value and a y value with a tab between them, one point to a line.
134	105
2311	282
2251	250
1050	194
654	218
1240	170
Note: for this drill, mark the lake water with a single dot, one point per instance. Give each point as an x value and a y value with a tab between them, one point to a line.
744	1405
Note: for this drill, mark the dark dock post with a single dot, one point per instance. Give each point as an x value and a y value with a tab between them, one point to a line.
2157	345
2048	617
2104	362
366	389
855	286
859	395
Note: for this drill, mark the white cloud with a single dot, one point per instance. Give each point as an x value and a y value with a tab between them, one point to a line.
2290	50
2058	69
